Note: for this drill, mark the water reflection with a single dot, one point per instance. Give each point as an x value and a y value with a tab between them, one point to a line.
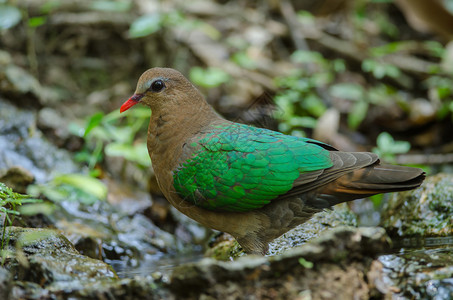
163	263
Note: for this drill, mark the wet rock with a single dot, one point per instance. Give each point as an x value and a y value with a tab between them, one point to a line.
139	230
17	83
127	198
56	128
17	178
223	247
226	247
47	266
335	265
426	211
87	240
99	288
5	284
22	145
124	241
129	288
419	274
338	216
135	288
45	256
188	230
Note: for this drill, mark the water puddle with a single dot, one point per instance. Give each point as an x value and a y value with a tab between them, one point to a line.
163	264
420	273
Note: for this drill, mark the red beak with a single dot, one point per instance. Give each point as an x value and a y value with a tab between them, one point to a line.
131	102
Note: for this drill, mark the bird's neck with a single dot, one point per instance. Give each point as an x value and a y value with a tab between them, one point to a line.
169	129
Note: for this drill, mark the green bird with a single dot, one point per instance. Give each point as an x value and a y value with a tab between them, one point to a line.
253	183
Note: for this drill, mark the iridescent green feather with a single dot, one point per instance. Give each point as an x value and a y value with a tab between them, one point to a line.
235	167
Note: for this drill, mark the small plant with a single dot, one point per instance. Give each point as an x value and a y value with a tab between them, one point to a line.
305	263
154	22
71	187
9	208
362	98
208	78
109	135
379	69
387	147
299	103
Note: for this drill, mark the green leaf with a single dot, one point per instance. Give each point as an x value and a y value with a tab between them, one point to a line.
357	114
122	134
85	183
93	122
10	16
434	47
137	152
51	192
305	263
306	122
208	78
76	129
37	21
339	65
302	56
145	25
9	211
349	91
377	200
444	92
379	69
392	71
390	48
314	105
400	147
306	18
116	6
384	141
33	209
207	29
381	94
387	147
27	238
242	59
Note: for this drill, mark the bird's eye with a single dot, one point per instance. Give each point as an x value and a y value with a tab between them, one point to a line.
157	85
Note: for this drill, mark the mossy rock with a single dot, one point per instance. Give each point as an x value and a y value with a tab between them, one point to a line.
426	211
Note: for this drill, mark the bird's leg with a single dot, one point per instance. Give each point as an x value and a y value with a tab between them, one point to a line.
253	244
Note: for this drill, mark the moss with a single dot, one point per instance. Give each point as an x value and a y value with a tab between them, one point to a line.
426	211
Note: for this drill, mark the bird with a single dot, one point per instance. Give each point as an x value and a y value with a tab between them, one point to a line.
253	183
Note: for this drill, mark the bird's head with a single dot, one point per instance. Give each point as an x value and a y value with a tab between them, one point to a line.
160	88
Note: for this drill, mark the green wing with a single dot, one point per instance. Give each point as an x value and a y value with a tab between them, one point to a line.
236	167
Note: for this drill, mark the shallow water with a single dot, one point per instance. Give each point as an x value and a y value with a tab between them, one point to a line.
418	242
419	273
163	264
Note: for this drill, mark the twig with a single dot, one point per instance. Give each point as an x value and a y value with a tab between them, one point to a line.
91	19
406	63
425	159
31	49
290	16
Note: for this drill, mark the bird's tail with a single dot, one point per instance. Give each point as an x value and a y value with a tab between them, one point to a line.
372	180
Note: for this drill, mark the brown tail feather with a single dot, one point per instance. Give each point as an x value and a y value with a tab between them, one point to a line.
353	175
372	180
